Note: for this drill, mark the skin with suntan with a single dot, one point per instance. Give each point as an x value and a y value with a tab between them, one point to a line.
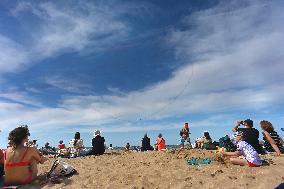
266	126
20	174
236	161
1	158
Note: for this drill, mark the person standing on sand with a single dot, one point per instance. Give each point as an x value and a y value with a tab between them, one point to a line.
184	134
160	143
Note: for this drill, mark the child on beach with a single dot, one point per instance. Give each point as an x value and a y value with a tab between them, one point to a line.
182	141
61	145
252	158
184	133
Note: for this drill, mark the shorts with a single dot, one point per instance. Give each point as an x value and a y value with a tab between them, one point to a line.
252	164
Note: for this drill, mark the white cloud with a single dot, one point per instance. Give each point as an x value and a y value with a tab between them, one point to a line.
237	65
12	55
56	29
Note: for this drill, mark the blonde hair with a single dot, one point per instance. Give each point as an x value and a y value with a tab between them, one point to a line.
267	126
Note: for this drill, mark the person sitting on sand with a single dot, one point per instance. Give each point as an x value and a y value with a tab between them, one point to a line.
204	141
160	143
62	151
184	133
251	134
1	163
98	144
61	145
47	149
146	145
20	161
251	156
110	147
272	141
127	146
76	145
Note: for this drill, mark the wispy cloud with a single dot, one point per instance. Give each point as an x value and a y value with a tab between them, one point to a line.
235	54
12	55
57	30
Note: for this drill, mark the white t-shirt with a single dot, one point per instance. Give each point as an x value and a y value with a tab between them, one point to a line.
79	143
249	152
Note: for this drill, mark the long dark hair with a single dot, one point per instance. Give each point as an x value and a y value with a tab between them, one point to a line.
207	136
76	137
17	135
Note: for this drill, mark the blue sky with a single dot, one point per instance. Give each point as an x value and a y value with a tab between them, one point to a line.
130	67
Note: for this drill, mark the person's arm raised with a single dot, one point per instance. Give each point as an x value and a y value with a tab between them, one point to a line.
238	123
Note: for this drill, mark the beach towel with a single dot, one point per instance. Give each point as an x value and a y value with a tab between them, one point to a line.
199	161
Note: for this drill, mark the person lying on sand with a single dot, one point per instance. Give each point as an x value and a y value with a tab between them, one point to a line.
252	158
20	161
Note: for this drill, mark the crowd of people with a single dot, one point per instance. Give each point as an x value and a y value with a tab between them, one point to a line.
20	159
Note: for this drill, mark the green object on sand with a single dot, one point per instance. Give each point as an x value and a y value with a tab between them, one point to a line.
199	161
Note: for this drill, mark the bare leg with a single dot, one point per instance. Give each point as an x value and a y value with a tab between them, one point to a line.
34	168
238	161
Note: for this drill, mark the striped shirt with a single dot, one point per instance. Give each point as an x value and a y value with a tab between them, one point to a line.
276	139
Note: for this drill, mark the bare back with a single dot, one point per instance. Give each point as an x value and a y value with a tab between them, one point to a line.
18	163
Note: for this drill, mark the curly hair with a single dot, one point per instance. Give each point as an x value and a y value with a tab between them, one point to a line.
267	126
17	135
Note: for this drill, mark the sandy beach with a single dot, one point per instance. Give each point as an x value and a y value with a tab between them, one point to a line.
167	169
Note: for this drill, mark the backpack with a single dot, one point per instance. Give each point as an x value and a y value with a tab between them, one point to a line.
227	143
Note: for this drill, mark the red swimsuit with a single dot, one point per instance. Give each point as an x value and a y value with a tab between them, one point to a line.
22	163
